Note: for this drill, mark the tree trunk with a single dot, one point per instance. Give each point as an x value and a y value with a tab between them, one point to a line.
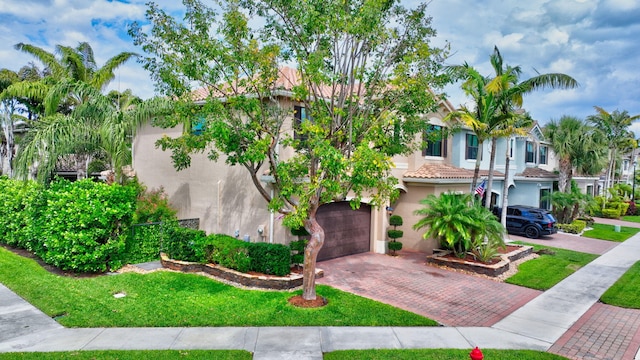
311	254
492	163
476	170
563	177
7	126
505	189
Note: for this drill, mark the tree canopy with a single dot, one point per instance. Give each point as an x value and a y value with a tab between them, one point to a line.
362	71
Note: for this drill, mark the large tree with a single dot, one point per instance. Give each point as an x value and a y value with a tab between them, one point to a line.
576	146
614	128
362	72
8	107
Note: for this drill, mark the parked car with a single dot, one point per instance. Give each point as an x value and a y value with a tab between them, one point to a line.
528	221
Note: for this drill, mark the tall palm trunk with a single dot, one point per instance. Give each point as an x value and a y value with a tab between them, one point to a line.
492	163
7	126
564	177
476	170
505	189
311	254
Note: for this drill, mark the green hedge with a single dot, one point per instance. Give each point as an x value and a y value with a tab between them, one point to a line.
575	227
272	259
78	226
611	213
192	245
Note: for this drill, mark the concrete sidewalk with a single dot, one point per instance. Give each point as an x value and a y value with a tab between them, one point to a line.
537	325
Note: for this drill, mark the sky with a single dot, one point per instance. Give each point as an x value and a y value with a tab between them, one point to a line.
594	41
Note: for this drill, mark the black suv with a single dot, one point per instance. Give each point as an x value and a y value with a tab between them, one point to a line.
528	221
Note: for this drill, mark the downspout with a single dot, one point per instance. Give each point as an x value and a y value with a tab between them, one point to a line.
271	220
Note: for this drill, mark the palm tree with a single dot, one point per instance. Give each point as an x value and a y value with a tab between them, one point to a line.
483	119
97	126
8	112
576	147
506	85
614	128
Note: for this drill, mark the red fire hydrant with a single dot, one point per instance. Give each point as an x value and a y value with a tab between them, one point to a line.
476	354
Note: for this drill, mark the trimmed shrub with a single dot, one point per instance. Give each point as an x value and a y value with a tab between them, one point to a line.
575	227
144	243
297	251
394	234
395	220
611	213
229	252
182	243
84	225
271	259
394	246
19	200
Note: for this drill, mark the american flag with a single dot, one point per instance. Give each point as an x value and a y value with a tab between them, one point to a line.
480	189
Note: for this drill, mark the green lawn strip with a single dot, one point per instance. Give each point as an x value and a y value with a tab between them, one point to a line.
132	355
632	218
176	299
548	270
438	354
606	232
626	291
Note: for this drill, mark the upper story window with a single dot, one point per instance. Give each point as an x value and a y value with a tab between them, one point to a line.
436	142
471	152
530	152
300	114
542	154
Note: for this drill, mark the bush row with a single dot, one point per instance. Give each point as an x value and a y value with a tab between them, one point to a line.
78	226
193	245
575	227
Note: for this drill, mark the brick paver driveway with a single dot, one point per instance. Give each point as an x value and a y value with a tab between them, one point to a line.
449	297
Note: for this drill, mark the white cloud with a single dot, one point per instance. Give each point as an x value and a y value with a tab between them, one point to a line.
556	36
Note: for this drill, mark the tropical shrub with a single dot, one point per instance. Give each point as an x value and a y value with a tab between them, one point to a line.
458	223
17	199
84	225
152	205
632	209
611	213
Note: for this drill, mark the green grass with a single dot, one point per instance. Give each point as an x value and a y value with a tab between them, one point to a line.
548	270
177	299
439	354
606	232
626	291
633	218
133	355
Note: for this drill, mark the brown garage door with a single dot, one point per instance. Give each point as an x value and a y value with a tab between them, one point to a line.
346	231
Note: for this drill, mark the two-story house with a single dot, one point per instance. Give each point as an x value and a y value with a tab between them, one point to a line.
225	200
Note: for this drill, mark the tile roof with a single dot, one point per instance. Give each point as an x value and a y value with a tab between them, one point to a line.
534	172
445	171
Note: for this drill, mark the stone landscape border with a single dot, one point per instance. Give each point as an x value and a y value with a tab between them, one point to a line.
492	270
260	281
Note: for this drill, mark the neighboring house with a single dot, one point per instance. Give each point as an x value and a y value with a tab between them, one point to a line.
226	201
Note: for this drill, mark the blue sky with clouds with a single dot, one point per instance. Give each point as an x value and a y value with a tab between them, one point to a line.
595	41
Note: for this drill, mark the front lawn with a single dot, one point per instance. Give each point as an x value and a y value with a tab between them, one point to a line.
606	232
626	291
439	354
632	218
550	268
175	299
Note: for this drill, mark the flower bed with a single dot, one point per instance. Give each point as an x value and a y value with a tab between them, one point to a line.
260	281
513	253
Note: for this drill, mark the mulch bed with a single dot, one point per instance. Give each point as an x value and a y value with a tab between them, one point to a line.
470	258
298	301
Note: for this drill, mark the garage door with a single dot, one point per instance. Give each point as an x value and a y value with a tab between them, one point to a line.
347	231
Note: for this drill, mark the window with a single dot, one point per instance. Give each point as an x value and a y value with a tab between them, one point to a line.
436	142
300	114
531	154
542	154
471	152
590	190
545	199
198	126
512	143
